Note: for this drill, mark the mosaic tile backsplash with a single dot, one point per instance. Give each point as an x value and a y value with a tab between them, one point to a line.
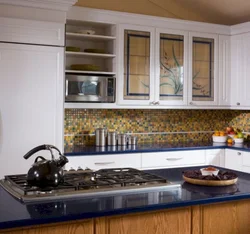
151	125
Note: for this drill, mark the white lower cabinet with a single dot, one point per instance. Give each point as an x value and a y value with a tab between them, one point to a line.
237	160
173	159
96	162
215	157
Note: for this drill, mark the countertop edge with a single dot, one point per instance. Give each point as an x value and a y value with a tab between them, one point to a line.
148	208
151	150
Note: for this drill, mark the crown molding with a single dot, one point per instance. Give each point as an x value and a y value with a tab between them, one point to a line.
240	28
61	5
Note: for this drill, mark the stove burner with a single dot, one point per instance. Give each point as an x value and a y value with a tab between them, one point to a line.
80	181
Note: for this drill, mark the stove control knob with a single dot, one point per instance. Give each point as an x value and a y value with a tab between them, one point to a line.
79	169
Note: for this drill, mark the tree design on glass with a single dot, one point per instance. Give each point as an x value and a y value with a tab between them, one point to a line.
174	75
173	71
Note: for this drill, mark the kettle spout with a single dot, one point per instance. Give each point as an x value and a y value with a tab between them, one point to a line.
62	161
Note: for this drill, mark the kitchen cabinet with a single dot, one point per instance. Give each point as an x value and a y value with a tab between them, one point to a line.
196	57
233	159
237	160
136	65
203	70
172	159
154	65
31	32
240	59
97	162
91	44
31	102
79	227
160	222
171	66
215	157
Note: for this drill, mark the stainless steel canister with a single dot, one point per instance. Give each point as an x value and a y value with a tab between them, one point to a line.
112	138
100	136
132	140
122	139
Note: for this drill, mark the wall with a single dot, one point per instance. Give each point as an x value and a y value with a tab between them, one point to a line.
152	125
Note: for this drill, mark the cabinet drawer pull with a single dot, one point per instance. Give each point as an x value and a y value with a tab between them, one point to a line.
173	159
103	163
238	104
239	153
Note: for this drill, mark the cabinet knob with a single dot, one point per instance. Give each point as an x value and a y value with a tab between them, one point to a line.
191	103
239	153
238	103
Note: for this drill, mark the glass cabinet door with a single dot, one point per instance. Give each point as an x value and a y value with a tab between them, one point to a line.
137	64
171	67
203	76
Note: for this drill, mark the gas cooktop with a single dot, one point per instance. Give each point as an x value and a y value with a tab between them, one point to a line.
82	183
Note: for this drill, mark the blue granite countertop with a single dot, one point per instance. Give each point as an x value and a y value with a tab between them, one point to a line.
16	214
78	150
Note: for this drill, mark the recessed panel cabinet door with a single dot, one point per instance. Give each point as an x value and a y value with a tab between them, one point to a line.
171	67
240	60
31	102
136	74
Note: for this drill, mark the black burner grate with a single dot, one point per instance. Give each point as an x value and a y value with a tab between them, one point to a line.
81	180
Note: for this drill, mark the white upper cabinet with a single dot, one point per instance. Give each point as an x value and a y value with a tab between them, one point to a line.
203	69
165	67
171	77
90	46
240	60
160	62
31	32
136	65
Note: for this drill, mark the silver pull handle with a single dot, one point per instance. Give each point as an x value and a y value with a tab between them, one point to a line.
239	153
173	159
104	163
238	103
157	103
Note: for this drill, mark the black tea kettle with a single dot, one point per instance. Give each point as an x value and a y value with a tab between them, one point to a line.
46	173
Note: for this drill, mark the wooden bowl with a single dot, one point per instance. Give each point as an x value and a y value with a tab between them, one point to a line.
210	182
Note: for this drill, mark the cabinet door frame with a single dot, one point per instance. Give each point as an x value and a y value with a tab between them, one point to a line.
120	66
190	69
157	67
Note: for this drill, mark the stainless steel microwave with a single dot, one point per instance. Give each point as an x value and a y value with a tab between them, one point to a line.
86	88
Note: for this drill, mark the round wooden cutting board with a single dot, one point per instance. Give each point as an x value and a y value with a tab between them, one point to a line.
210	182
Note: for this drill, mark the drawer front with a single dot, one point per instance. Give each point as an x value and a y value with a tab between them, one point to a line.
173	159
97	162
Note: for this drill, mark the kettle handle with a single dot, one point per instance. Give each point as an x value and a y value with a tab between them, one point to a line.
41	147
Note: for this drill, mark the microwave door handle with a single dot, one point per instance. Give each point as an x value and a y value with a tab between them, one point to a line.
102	88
